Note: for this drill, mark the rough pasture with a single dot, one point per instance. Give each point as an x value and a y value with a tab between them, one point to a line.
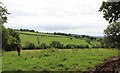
55	60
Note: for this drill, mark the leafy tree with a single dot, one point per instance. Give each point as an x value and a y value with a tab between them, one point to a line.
3	19
9	39
112	35
4	36
3	13
111	11
57	44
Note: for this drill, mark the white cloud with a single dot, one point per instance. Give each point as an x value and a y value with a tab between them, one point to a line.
57	15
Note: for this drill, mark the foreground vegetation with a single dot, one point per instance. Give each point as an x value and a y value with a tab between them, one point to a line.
55	59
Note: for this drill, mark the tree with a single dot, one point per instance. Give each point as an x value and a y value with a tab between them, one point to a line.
9	37
3	19
56	44
112	35
111	11
3	13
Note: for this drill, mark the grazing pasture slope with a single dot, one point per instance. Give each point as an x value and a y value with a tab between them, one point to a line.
48	38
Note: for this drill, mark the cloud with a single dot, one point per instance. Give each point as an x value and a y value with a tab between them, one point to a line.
18	13
56	15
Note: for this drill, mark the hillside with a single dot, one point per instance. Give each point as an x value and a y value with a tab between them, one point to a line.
49	37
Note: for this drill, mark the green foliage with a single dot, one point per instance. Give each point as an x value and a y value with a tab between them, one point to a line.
88	41
112	35
71	46
9	39
3	13
43	46
111	11
27	30
30	46
56	44
88	37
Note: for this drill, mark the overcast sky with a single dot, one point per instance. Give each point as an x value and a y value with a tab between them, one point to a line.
68	16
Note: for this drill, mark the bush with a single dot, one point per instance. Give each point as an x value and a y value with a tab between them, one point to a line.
94	46
10	47
30	46
71	46
57	44
42	46
98	46
9	39
86	46
82	46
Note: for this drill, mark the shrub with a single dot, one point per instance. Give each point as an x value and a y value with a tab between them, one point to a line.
61	46
97	46
57	44
42	46
9	38
86	46
71	46
30	45
10	47
82	46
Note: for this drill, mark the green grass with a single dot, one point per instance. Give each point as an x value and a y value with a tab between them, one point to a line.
34	33
26	32
46	39
55	60
0	64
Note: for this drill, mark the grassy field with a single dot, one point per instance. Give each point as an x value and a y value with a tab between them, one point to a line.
35	33
49	38
55	59
0	63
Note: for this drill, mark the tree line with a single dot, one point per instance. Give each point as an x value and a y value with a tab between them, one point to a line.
26	30
59	45
78	36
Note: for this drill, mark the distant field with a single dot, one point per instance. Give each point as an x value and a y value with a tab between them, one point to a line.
27	32
48	38
55	60
34	33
